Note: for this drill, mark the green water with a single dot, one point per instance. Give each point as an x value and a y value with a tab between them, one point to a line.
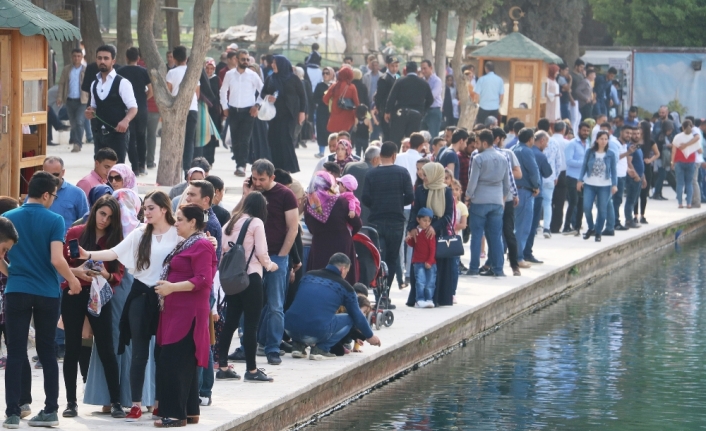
627	353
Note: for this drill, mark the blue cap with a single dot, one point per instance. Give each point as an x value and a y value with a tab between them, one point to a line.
425	212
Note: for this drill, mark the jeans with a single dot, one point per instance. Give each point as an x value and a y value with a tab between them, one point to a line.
659	180
432	119
241	124
632	192
547	194
702	183
324	338
305	257
426	281
602	195
151	140
189	138
88	129
524	212
685	175
117	141
617	200
206	376
76	111
137	148
565	111
574	213
20	308
271	327
486	219
536	214
391	234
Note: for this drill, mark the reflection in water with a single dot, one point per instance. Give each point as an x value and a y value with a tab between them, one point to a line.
626	353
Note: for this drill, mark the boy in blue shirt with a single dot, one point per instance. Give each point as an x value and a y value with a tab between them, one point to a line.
33	292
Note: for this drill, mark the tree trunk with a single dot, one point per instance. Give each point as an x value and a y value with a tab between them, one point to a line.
173	109
124	26
359	28
442	25
90	29
250	17
467	108
262	37
173	30
159	24
425	26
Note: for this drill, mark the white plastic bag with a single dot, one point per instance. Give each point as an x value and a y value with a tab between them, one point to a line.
267	111
101	292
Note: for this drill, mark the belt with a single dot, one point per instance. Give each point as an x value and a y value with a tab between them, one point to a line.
73	98
526	188
405	111
239	109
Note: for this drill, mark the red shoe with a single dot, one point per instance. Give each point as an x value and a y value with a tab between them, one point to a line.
155	413
134	415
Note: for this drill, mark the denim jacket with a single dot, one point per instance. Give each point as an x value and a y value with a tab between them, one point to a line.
610	164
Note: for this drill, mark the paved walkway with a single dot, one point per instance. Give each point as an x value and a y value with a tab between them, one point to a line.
236	401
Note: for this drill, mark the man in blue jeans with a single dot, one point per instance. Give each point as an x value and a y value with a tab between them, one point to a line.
622	171
527	189
634	180
488	184
541	140
281	229
33	292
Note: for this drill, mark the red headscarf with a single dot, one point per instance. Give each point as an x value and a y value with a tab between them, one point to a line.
553	69
343	80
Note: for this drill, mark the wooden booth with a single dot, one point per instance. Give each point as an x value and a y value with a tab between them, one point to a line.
522	64
24	70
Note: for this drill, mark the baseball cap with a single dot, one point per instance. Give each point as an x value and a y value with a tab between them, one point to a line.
425	212
233	46
392	59
349	181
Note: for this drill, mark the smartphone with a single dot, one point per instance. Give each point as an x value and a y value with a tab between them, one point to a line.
73	249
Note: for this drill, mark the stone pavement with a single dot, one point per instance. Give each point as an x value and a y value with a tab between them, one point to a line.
235	402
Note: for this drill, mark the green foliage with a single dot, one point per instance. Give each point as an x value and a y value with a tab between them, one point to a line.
404	35
356	4
675	105
653	22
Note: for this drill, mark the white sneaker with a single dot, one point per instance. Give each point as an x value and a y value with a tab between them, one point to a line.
420	304
454	300
429	304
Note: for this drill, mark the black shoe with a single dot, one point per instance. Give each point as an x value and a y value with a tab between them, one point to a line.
151	166
632	225
273	358
589	233
228	374
257	377
621	227
71	410
237	356
488	273
285	346
533	259
598	237
35	358
608	233
60	352
643	220
116	411
53	144
662	198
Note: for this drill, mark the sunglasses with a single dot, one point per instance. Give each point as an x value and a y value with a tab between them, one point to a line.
57	174
115	178
327	73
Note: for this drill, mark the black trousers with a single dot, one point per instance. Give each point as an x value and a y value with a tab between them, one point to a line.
384	126
403	125
178	379
484	114
645	193
140	342
249	302
20	308
241	123
73	311
189	138
137	148
117	141
558	200
391	234
574	212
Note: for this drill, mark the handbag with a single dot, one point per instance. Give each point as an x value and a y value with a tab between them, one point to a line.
449	246
101	293
345	103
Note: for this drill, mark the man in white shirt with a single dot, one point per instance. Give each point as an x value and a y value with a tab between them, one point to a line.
622	170
240	106
408	160
113	105
174	78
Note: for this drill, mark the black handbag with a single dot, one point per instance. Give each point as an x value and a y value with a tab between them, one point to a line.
448	246
345	103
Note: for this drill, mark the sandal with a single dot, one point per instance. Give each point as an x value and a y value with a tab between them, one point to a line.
192	420
170	423
403	286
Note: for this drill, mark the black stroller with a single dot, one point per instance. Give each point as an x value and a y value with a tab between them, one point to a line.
373	272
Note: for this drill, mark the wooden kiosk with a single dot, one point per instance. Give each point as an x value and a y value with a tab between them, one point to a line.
24	62
522	64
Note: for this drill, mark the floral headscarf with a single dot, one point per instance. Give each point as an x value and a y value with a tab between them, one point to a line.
130	205
129	180
322	197
349	151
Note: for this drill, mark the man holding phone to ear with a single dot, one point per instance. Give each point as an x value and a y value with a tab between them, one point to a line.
33	292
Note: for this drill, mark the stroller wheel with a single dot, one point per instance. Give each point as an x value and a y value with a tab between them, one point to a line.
370	318
378	321
388	318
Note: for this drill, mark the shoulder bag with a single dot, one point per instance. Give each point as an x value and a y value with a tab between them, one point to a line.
345	103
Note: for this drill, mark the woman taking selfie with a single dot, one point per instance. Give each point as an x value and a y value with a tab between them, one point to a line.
249	301
102	231
183	336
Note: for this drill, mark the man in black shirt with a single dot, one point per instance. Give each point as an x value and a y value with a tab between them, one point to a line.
387	190
142	86
385	84
409	99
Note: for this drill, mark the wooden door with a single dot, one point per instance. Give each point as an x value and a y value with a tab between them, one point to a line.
5	119
523	102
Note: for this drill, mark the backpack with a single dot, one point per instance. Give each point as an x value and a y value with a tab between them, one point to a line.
233	270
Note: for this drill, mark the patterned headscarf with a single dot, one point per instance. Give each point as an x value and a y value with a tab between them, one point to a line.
322	197
130	205
129	180
349	154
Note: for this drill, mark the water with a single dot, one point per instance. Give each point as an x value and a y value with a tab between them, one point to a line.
624	354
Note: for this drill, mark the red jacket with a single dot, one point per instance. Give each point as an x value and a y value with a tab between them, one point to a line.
424	248
341	119
75	233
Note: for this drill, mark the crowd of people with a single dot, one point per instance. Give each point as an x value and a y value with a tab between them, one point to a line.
129	290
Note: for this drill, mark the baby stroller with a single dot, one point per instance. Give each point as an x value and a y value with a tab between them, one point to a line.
372	272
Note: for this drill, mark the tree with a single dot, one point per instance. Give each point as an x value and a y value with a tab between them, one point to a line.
173	109
124	27
442	26
653	22
90	29
358	25
554	24
173	29
262	36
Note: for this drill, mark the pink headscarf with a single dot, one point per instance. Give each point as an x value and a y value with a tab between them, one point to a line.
130	205
129	180
323	197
